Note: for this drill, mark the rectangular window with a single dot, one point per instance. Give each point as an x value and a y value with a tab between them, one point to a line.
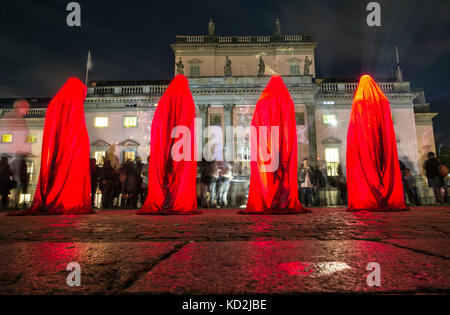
7	138
215	119
129	155
99	155
330	120
195	71
332	159
300	119
101	122
295	70
31	138
130	121
243	157
30	170
24	198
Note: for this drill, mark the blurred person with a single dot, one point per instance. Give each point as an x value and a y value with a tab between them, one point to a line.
129	181
409	183
210	174
306	184
138	166
15	126
6	181
341	184
144	185
20	173
319	187
107	183
95	174
223	183
435	180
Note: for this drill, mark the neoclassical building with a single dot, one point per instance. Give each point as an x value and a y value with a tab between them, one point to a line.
227	75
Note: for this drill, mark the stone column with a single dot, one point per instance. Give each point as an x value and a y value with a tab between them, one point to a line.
203	115
311	118
228	139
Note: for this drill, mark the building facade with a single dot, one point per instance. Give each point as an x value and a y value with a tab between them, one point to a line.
227	75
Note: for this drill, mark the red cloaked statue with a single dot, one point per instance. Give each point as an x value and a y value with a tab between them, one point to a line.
64	185
273	179
173	163
373	169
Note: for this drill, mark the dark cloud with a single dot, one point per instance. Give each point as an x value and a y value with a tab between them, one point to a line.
130	40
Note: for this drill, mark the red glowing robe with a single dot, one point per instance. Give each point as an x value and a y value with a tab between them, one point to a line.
373	170
64	185
173	164
273	184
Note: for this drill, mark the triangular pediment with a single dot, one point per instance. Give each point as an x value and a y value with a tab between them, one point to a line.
194	61
100	143
129	143
294	60
331	140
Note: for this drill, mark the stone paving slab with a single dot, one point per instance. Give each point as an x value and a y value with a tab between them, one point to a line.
40	267
220	251
291	267
227	225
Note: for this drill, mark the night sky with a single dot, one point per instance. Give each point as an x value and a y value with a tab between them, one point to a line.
129	40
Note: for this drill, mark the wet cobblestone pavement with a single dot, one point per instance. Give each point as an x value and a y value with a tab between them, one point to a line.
221	252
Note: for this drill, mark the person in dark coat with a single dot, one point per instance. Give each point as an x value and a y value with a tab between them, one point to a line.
6	180
435	180
95	174
409	185
107	184
341	184
20	173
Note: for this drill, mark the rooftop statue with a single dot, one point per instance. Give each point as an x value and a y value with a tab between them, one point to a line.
261	67
277	27
227	68
211	27
308	63
180	66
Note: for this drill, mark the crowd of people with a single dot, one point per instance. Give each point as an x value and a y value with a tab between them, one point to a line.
314	183
214	184
13	178
125	185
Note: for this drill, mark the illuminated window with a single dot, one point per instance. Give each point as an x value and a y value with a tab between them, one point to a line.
129	155
195	71
243	156
25	198
332	159
130	121
99	155
328	102
31	138
295	70
330	120
7	138
30	170
101	122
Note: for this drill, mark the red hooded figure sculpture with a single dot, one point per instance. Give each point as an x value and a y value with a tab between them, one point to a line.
273	179
64	185
373	170
173	163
